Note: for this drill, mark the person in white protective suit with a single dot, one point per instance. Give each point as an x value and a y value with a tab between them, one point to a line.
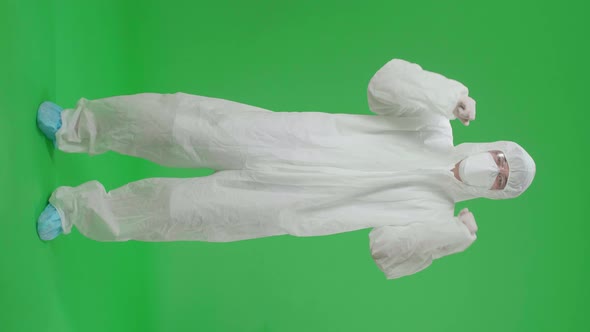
300	173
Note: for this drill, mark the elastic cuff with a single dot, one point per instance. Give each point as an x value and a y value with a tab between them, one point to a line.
56	200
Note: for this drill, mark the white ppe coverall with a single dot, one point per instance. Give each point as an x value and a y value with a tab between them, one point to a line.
298	173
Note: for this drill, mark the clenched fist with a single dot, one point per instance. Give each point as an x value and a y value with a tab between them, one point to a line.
467	218
465	110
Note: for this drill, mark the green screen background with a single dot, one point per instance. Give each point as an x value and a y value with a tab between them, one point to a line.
525	64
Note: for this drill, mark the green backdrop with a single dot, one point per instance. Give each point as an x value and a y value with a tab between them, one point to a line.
525	64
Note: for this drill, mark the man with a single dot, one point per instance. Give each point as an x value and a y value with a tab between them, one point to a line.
298	173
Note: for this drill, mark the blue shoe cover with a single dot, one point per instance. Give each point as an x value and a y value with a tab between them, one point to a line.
49	224
49	119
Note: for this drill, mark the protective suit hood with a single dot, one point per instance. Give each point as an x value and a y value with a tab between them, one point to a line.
521	174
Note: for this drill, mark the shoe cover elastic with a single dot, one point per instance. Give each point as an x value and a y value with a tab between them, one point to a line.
49	224
49	119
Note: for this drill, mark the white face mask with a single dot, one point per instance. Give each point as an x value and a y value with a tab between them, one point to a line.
479	170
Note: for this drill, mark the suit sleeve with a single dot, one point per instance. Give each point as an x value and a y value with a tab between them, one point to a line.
404	250
404	89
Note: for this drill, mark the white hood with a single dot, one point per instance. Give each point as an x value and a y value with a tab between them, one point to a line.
522	169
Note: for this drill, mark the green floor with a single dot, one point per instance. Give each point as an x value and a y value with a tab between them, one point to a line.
526	65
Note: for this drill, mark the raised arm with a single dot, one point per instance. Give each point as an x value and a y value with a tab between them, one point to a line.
401	88
404	250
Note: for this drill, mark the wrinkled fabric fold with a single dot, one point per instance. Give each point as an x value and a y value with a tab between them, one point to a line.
405	89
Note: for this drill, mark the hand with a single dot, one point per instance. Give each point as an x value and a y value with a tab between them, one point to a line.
467	218
465	110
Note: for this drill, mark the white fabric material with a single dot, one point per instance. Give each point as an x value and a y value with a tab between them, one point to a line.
479	170
465	110
469	220
403	250
298	173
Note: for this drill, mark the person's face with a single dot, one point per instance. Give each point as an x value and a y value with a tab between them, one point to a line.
502	177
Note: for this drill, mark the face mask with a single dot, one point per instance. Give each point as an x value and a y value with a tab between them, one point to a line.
479	170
